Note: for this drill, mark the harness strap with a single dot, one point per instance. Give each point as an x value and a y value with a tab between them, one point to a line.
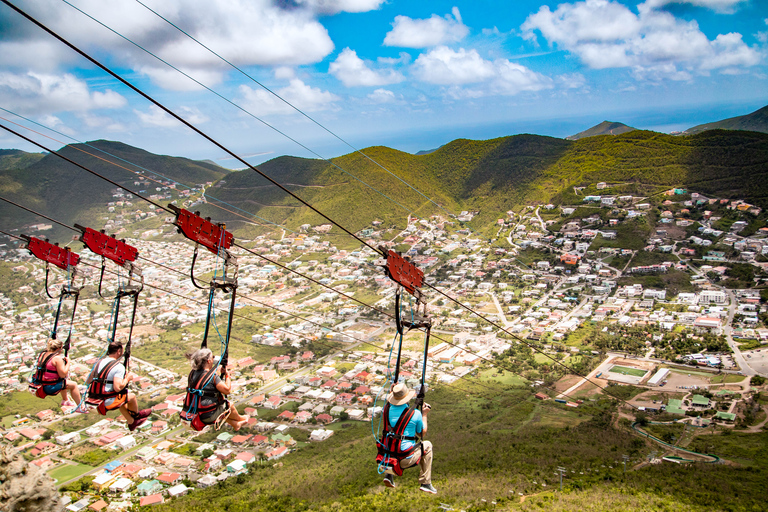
42	368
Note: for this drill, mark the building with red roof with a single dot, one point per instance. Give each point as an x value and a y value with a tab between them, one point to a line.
286	415
169	478
152	499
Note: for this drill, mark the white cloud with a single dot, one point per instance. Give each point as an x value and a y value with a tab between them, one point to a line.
444	66
156	117
424	33
245	32
32	93
172	80
724	6
353	71
336	6
302	96
606	34
382	96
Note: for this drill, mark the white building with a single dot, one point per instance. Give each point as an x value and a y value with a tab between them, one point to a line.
712	296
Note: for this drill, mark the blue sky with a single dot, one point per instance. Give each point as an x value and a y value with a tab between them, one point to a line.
409	75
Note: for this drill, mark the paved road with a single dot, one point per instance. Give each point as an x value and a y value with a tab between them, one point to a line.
738	357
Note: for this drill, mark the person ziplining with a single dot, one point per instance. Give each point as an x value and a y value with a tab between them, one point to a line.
108	385
50	377
401	444
109	378
204	403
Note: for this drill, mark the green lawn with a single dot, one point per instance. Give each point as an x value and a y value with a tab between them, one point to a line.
69	471
726	379
624	370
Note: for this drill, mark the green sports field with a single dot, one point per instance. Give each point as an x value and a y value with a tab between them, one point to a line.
625	370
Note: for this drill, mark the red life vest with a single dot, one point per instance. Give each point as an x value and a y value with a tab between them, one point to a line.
43	376
193	408
97	392
390	454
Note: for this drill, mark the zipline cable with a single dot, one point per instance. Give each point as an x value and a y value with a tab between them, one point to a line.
356	150
242	109
292	333
532	347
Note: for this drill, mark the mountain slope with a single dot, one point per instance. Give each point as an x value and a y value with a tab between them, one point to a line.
495	175
67	193
757	121
604	128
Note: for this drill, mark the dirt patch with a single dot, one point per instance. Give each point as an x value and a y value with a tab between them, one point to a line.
141	331
566	382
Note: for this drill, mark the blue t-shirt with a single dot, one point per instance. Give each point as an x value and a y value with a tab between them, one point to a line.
415	426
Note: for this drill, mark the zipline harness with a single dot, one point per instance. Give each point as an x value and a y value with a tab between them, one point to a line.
67	260
389	452
218	240
124	255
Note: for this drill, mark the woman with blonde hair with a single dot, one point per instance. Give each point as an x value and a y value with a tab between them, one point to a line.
52	371
212	407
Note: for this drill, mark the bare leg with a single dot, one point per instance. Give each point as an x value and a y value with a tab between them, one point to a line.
131	406
73	389
235	420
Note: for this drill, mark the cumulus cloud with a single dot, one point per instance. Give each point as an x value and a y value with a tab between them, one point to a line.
155	116
353	71
606	34
245	32
444	66
382	96
32	93
424	33
302	96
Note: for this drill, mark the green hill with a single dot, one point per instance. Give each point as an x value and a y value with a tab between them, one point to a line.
757	121
493	176
488	452
604	128
488	176
52	186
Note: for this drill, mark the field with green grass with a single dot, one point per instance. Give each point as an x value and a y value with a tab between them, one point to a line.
69	471
625	370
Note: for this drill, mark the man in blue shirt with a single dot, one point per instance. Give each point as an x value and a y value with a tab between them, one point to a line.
398	400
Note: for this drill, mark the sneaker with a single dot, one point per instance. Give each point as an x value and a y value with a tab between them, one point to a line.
389	481
82	409
68	403
136	423
428	488
139	418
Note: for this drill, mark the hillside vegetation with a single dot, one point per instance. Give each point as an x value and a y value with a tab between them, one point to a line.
495	175
490	450
48	184
488	176
757	121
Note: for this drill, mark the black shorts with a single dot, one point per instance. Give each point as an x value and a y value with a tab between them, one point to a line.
211	417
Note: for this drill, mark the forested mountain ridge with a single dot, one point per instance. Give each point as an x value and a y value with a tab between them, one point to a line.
492	176
488	176
51	185
604	128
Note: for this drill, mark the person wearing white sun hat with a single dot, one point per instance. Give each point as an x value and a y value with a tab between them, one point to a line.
398	399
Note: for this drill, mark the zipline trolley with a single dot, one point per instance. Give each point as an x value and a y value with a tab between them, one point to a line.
217	240
65	259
